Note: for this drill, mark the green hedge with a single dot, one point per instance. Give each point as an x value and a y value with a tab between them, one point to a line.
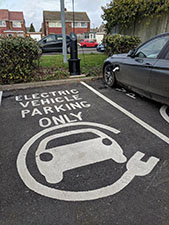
17	59
116	44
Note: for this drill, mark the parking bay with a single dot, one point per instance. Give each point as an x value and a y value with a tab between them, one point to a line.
79	184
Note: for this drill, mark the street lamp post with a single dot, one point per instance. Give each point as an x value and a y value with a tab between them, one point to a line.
64	47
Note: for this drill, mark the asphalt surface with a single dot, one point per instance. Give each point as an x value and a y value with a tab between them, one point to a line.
83	154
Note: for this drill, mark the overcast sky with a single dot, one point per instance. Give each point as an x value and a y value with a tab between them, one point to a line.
33	9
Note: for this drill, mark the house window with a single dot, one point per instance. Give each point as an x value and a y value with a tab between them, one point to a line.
55	24
80	24
2	23
83	24
92	36
86	35
17	24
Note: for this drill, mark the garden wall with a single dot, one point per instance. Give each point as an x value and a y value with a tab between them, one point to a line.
148	28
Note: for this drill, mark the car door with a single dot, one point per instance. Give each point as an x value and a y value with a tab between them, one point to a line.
87	43
159	78
49	43
137	69
92	44
59	42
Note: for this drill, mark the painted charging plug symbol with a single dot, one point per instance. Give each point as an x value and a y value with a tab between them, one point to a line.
136	167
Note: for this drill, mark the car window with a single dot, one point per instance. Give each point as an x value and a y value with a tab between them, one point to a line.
68	38
50	38
59	37
167	55
91	41
152	48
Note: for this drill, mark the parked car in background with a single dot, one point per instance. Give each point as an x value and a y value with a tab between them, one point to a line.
100	48
53	43
144	70
88	43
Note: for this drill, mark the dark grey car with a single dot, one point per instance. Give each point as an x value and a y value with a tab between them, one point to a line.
144	70
53	43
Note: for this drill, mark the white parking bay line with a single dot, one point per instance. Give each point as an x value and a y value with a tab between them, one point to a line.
133	117
163	112
0	97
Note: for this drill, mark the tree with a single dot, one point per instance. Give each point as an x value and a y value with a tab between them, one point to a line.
126	13
31	29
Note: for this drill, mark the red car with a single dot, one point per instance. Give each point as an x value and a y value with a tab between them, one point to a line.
88	43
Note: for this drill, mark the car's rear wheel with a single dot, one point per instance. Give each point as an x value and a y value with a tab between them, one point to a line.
109	75
68	50
84	46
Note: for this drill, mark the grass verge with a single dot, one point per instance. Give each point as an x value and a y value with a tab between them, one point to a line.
52	66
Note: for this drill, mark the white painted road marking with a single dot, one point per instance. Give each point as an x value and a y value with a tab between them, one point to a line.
127	113
163	112
131	95
74	155
135	167
1	97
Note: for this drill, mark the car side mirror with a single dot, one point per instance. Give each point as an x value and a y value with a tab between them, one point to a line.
131	53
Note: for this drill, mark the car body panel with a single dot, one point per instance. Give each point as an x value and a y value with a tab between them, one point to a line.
88	43
100	48
136	72
53	43
159	79
148	76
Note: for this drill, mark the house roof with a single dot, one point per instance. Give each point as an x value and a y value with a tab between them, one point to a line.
16	15
56	15
10	15
4	14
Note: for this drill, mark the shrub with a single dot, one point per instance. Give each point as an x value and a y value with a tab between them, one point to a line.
116	44
17	59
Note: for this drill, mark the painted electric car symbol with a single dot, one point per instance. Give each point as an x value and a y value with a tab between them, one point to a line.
54	157
53	162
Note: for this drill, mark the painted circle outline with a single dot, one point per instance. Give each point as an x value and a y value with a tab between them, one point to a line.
163	112
37	187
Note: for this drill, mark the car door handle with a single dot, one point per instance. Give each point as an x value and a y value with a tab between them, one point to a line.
148	64
139	60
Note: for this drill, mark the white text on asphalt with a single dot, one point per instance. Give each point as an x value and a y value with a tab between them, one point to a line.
61	106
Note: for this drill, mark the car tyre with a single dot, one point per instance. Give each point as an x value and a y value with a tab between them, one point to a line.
109	75
68	50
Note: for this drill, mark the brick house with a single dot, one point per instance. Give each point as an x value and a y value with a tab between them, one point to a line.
52	22
12	23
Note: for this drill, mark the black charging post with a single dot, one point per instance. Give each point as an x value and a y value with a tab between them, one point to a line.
74	62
